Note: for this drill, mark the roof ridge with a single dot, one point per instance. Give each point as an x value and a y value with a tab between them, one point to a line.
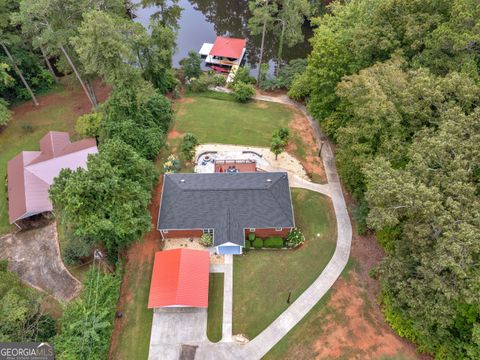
59	157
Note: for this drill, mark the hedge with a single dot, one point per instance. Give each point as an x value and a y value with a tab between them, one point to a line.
273	242
251	236
257	243
248	244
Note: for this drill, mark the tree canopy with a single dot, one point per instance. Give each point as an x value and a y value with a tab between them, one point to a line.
396	85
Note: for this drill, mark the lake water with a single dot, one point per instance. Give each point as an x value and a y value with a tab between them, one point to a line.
202	20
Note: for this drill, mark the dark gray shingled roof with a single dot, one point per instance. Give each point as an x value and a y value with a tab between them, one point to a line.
227	203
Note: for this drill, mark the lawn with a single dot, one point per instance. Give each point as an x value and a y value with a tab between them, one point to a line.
215	307
133	342
215	118
58	115
263	279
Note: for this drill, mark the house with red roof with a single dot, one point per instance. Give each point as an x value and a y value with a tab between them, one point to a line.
31	173
180	279
224	51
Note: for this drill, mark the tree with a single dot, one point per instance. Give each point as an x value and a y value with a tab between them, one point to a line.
277	145
262	20
168	12
291	16
22	318
137	115
88	125
104	44
191	65
189	143
107	203
5	114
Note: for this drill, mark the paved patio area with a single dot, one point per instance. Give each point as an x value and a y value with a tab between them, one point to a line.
34	256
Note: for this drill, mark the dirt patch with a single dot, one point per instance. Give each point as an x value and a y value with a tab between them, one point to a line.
174	134
261	104
300	127
352	333
136	255
355	327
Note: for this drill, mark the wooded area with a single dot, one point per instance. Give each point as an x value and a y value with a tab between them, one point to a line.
396	85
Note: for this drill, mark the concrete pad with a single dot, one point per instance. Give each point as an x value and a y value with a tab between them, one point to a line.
172	327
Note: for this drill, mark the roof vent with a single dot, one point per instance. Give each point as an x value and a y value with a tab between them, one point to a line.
182	180
269	180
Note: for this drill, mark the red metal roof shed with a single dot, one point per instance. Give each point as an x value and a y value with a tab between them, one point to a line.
180	279
228	47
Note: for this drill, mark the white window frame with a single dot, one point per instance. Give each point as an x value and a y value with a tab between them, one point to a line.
278	229
165	231
252	229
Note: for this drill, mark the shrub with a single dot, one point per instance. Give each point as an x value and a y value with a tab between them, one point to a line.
286	75
273	242
243	92
188	145
284	134
251	236
172	165
257	243
248	244
27	127
5	114
200	84
206	240
75	251
219	80
295	238
89	125
243	76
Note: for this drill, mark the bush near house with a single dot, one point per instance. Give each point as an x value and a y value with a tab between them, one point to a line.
295	238
273	242
243	92
206	240
248	244
257	243
251	236
188	145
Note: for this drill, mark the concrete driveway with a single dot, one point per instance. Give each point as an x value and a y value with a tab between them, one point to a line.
175	331
34	256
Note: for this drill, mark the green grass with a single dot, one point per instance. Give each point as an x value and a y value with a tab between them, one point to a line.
134	338
59	116
263	279
215	118
215	307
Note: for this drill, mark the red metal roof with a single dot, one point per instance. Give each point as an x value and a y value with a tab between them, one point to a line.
228	47
180	278
31	173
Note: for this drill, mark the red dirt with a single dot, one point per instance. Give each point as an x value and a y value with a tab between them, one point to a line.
137	254
82	104
174	134
363	334
301	127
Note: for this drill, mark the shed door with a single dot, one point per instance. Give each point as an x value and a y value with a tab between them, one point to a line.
229	250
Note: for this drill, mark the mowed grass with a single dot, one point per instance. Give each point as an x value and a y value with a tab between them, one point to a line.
134	338
216	118
59	116
215	307
263	279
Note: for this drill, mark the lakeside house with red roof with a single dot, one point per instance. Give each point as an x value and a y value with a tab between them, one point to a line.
31	173
224	51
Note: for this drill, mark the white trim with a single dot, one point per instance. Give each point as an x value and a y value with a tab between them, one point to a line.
278	229
252	230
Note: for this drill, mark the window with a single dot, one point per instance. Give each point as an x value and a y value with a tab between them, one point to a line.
252	229
208	231
278	229
165	231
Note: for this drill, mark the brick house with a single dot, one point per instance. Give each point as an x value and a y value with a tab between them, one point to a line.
229	206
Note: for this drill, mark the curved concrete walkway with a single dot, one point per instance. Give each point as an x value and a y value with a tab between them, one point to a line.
267	339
